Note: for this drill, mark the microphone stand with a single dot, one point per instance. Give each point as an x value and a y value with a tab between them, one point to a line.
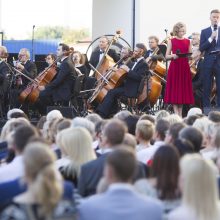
32	45
11	79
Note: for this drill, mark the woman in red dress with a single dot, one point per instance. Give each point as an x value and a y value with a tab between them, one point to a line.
179	83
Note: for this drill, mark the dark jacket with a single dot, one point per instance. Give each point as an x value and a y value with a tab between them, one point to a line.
92	172
62	86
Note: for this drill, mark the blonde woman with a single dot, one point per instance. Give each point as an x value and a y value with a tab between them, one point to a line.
42	200
198	182
179	83
76	148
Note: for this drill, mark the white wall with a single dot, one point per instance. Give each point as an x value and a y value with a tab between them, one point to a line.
152	17
109	16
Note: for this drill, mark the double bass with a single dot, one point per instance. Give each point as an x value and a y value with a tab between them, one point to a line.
106	62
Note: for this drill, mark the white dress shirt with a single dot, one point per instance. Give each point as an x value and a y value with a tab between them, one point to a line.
13	170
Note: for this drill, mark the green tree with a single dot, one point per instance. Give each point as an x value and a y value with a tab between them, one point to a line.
67	35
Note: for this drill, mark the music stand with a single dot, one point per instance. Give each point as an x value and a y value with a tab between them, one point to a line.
163	49
184	54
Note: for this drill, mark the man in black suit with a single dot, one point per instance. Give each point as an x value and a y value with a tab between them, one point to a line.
210	42
26	66
97	55
29	69
154	53
59	90
91	172
97	58
4	72
135	72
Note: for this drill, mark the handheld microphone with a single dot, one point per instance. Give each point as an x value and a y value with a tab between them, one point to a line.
215	27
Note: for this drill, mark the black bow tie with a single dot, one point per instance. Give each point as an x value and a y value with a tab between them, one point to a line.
101	51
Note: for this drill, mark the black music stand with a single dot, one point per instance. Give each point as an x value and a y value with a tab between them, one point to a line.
163	49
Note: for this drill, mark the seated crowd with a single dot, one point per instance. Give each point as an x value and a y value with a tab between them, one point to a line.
128	167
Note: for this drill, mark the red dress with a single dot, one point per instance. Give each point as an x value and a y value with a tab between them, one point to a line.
179	82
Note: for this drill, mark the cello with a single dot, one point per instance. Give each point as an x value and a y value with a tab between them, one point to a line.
112	79
31	93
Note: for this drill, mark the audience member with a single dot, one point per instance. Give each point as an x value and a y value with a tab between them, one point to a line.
199	190
42	200
116	202
76	148
163	181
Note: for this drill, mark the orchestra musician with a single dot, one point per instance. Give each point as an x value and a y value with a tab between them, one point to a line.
135	71
4	73
59	90
29	69
196	66
50	59
26	66
154	53
97	54
209	43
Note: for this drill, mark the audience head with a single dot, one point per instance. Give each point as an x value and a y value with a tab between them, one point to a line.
191	119
165	168
173	132
94	118
12	113
193	135
198	183
131	122
161	114
214	116
21	136
122	115
162	126
120	166
147	117
76	144
194	111
44	181
144	130
113	133
84	123
130	140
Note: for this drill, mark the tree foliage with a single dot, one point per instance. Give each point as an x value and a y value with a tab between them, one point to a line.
67	35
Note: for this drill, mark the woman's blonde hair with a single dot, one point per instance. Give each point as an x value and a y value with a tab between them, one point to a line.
45	181
76	144
200	191
10	126
177	27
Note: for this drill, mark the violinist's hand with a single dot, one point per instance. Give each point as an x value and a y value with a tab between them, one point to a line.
19	66
148	59
125	67
41	88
